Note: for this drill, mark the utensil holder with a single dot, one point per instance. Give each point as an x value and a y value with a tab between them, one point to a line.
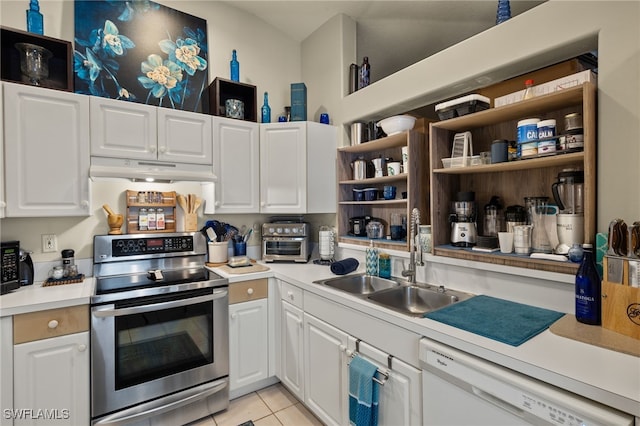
218	252
190	222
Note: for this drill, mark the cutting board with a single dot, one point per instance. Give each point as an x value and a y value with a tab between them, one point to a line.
254	267
570	328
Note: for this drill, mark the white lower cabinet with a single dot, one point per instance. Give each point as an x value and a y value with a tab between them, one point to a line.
248	343
401	394
326	372
292	349
52	381
315	357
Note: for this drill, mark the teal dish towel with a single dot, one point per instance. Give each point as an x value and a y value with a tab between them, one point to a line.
498	319
363	393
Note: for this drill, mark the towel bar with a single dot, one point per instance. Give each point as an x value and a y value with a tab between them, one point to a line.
381	372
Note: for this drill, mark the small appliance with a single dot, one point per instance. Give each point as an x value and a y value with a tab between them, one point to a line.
10	266
358	225
26	268
568	193
464	230
286	239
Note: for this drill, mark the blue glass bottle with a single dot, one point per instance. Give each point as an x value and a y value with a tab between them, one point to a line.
235	67
34	18
266	109
588	289
504	11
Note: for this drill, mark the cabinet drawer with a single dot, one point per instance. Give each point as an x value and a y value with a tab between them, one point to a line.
247	290
50	323
291	294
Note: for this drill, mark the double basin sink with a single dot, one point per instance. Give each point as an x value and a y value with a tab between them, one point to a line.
398	295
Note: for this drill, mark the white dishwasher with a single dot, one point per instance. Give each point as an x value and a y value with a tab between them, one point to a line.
461	389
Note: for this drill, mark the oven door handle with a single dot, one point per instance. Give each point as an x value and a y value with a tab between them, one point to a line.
108	311
163	405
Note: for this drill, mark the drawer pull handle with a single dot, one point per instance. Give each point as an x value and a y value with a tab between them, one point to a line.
290	294
82	348
249	291
53	324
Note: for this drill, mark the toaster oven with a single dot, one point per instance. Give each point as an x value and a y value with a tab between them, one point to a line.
286	242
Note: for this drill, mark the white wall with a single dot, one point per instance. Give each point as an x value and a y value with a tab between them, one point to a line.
268	60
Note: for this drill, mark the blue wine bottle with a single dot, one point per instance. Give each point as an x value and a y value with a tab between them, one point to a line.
235	67
588	289
266	109
34	18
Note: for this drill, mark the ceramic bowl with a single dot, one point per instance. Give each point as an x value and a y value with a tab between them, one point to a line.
397	124
370	194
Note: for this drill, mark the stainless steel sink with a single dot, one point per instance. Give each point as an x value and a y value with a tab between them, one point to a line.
417	301
359	284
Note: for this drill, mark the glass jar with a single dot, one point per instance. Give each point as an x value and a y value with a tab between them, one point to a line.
143	220
384	265
424	238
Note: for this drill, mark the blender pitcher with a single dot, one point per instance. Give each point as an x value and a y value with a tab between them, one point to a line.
539	238
568	191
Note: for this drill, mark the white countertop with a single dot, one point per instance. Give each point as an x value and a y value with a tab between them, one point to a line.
603	375
35	297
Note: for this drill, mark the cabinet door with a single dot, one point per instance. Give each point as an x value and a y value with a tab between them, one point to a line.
292	349
321	168
46	152
248	340
54	375
236	164
283	168
122	129
2	202
401	395
184	137
326	374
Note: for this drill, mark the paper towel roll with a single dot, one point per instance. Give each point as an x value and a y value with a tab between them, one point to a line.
209	197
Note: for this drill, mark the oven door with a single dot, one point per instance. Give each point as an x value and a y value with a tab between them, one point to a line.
152	346
287	249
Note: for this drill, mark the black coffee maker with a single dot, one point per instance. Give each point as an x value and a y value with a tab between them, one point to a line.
26	268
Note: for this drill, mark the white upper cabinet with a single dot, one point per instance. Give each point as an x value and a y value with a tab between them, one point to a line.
134	131
3	204
297	168
236	163
46	135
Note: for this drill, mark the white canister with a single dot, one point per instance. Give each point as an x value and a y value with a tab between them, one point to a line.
528	129
218	251
326	243
546	133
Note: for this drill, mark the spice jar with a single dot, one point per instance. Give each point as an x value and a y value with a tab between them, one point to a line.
68	262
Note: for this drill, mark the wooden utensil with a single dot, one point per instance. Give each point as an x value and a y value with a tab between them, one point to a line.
108	209
182	202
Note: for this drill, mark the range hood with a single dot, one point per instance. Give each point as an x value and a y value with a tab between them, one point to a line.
148	170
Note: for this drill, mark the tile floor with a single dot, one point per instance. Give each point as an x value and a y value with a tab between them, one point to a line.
271	406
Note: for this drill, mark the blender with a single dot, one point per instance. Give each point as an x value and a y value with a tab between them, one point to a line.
464	231
568	193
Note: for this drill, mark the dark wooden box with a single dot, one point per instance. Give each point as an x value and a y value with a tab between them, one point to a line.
221	90
60	64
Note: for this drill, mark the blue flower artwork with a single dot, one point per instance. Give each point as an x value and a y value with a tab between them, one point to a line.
140	51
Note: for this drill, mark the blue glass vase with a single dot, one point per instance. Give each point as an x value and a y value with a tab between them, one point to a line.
34	18
504	11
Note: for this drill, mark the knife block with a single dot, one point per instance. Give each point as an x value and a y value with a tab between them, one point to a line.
620	305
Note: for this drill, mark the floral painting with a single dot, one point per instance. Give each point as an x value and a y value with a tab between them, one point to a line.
140	51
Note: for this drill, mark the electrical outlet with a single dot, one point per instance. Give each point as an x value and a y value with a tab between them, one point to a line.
49	243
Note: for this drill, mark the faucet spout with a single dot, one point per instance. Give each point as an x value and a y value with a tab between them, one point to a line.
413	247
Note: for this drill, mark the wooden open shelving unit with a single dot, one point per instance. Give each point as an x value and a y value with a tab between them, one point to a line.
513	180
415	182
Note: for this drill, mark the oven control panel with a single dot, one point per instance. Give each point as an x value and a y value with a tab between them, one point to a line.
154	245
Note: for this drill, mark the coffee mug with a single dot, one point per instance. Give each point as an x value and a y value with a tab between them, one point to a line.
394	168
324	118
389	192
